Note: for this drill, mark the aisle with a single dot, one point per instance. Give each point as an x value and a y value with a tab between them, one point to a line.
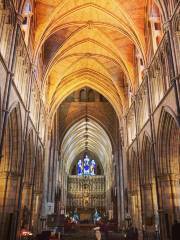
80	235
89	235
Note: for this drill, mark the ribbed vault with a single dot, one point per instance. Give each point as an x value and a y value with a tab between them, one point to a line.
93	81
90	43
103	13
91	135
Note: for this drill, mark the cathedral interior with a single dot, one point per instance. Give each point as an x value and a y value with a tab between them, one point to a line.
90	114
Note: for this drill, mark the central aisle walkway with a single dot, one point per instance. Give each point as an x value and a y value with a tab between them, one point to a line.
89	235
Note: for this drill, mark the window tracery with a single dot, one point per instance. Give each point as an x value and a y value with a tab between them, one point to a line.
155	25
27	13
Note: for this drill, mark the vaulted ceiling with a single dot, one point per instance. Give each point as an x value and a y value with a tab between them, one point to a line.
87	133
90	43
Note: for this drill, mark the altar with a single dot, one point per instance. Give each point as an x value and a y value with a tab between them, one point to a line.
86	189
85	216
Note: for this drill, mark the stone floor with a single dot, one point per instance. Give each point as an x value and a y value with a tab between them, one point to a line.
89	235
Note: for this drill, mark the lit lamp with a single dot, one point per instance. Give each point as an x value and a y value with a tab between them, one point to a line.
25	233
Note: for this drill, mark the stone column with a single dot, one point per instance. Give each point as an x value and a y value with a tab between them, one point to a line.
10	186
167	206
45	182
175	188
148	206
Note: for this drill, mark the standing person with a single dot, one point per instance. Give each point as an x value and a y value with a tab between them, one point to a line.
97	232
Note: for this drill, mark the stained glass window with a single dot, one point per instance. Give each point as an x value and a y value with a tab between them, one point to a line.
86	167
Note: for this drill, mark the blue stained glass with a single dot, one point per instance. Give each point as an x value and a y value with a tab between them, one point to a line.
93	168
86	167
80	168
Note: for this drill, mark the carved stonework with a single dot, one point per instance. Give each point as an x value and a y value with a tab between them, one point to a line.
86	192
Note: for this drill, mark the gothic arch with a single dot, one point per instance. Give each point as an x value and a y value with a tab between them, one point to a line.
51	25
11	160
176	23
168	144
98	143
162	7
168	139
176	30
94	119
10	168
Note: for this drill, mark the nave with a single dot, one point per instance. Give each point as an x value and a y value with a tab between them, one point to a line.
89	235
90	117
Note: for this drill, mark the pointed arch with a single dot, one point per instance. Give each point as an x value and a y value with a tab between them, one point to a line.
12	144
10	167
93	118
168	148
168	139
